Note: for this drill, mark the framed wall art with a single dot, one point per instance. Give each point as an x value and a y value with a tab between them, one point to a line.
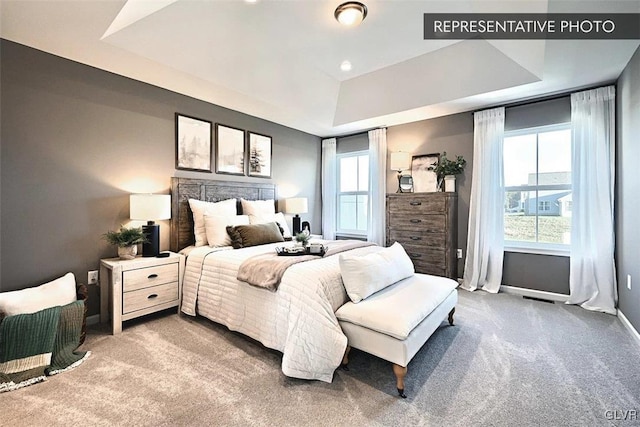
259	155
230	148
193	143
424	180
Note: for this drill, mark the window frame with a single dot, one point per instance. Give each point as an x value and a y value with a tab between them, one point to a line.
559	249
343	231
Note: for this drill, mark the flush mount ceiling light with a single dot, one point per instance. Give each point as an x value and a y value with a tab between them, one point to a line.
350	13
345	66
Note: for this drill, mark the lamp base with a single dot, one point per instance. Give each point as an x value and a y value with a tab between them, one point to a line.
296	225
152	232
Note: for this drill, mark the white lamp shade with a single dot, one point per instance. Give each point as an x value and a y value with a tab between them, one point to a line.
400	161
296	205
150	207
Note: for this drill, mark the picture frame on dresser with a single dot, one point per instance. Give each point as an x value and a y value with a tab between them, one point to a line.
259	155
424	180
230	150
193	143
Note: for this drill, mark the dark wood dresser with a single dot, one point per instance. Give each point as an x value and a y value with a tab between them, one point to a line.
426	225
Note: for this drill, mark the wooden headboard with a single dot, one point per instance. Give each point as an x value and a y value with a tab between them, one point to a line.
183	189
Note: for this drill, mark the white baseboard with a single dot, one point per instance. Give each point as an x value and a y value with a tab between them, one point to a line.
533	293
629	326
93	320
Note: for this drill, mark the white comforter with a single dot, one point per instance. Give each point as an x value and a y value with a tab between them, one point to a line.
297	320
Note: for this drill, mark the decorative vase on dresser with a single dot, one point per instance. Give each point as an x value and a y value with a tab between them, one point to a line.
426	225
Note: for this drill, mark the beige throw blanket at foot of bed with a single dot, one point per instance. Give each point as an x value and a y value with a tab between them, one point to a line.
266	270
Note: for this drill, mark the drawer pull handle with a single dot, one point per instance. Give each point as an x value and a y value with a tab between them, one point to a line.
416	255
152	276
152	296
415	238
415	221
415	203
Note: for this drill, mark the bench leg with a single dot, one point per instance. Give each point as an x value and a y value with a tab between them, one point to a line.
453	310
400	372
345	359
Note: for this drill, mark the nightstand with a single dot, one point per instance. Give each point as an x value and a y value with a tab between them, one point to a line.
144	285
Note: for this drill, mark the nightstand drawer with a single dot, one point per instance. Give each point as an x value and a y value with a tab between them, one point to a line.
149	276
149	297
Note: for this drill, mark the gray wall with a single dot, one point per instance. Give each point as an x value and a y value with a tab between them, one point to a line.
76	141
454	134
628	190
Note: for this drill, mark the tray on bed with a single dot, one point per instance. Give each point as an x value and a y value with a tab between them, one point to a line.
294	251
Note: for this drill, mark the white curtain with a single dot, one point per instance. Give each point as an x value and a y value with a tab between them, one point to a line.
483	265
376	231
592	277
329	188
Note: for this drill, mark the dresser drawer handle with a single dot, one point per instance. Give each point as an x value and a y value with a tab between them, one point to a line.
415	238
152	276
416	255
415	221
152	296
415	203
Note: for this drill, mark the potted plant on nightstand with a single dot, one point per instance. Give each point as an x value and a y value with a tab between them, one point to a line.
127	240
447	169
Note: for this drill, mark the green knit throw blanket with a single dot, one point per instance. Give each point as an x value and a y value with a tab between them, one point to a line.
32	345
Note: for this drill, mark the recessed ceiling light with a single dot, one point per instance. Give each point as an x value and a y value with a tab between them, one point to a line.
345	66
251	1
350	13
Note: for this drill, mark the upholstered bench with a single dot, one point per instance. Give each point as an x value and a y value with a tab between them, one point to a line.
395	322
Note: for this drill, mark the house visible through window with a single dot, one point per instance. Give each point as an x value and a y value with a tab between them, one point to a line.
537	177
353	192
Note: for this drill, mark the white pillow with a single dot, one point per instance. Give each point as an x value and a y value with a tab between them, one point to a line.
61	291
216	228
259	211
364	275
200	208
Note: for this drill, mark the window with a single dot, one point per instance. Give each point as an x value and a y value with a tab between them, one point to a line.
537	178
353	192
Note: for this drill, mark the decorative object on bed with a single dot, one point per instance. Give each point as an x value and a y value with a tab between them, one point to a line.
199	208
395	322
127	240
296	206
40	329
193	143
312	249
150	208
216	228
424	180
259	155
446	170
302	239
266	270
243	236
261	211
230	148
426	225
206	190
366	275
401	161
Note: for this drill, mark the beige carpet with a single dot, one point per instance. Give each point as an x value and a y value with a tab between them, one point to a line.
508	361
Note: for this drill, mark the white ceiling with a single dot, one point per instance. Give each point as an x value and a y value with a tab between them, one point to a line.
280	60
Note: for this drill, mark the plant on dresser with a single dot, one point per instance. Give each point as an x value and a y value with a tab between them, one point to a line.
426	225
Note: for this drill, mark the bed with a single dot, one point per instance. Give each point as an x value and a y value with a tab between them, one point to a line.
298	319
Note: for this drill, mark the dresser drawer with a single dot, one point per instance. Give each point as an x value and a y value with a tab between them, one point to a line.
416	237
149	297
416	205
426	223
149	276
426	255
426	268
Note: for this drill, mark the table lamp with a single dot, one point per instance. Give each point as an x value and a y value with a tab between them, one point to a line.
296	205
150	208
400	161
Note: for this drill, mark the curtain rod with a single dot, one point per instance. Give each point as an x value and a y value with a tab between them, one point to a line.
349	135
551	97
